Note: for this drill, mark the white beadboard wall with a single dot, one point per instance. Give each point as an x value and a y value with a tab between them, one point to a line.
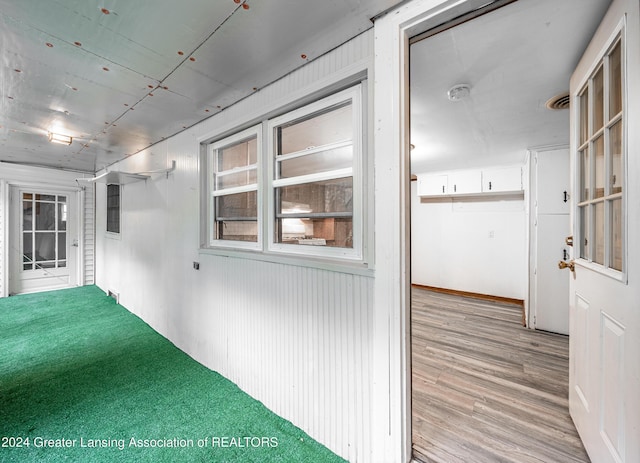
297	338
43	178
89	234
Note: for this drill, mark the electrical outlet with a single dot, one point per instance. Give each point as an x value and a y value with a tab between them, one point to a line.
491	234
196	265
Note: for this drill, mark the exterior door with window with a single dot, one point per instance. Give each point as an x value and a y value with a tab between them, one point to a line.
604	301
43	240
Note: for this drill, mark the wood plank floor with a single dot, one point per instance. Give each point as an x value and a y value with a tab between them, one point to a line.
485	389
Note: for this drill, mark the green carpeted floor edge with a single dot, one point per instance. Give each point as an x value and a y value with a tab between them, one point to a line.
82	379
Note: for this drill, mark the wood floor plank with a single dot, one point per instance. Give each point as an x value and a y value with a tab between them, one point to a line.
485	389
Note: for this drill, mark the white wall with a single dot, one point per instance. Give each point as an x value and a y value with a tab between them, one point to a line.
296	336
474	244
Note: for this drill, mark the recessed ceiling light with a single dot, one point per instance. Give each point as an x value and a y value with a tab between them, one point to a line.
60	139
459	92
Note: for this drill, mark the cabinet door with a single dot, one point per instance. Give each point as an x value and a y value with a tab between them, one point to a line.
502	180
465	182
432	185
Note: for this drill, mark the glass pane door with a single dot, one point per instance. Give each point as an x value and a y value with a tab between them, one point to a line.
601	163
44	231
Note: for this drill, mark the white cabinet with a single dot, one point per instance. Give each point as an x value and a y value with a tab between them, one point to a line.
432	184
498	180
464	182
502	180
458	182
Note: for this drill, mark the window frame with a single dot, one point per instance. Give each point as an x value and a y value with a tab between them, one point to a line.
108	208
354	96
352	259
593	135
212	192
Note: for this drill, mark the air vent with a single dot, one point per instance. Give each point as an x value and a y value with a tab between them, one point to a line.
559	102
114	295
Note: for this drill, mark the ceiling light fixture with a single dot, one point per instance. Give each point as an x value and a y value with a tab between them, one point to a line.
459	92
60	139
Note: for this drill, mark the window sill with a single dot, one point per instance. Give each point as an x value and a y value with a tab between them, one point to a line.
334	265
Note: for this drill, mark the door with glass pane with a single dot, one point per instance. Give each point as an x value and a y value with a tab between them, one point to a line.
43	240
603	278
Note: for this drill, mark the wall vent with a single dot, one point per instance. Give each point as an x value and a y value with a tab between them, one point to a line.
114	295
561	101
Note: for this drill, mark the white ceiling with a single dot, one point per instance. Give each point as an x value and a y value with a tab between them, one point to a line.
514	59
121	75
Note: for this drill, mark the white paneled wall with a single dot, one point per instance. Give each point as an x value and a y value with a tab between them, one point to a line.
297	338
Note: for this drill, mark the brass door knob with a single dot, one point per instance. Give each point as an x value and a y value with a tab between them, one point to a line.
570	265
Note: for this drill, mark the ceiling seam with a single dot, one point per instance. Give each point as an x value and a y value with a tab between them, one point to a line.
83	49
176	67
241	99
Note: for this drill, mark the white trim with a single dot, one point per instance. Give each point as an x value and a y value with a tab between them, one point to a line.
39	188
391	428
243	135
236	170
81	237
314	150
618	34
332	265
107	233
354	95
310	178
234	190
601	53
4	264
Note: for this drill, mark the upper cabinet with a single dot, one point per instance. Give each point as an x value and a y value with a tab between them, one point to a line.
502	180
464	182
495	180
433	184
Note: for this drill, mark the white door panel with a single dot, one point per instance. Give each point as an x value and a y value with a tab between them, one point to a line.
552	304
604	381
550	195
553	187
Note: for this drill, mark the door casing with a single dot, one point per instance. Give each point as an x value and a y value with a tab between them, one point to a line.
10	188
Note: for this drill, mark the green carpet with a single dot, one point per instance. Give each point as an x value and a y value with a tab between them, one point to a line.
84	380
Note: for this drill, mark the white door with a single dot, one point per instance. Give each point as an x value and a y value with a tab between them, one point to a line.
551	227
43	240
604	385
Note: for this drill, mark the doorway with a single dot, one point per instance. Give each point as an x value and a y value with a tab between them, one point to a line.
43	239
496	117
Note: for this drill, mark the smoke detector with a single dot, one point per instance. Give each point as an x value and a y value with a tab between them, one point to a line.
459	92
